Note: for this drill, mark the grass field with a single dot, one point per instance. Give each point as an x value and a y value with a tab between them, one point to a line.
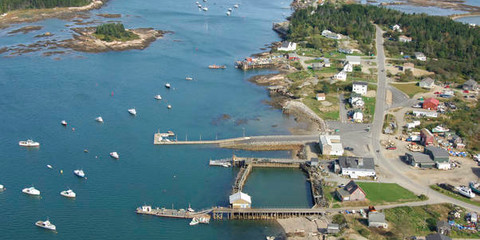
313	104
369	106
410	89
385	193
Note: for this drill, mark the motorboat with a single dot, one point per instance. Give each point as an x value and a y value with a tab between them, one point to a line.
214	66
99	119
236	5
194	222
68	193
64	123
465	191
189	78
167	85
114	155
226	165
79	172
270	237
169	106
46	224
204	220
29	143
49	166
132	111
31	191
190	209
205	9
228	13
158	97
2	188
230	9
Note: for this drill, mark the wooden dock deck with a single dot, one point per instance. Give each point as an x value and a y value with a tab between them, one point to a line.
172	213
263	213
159	140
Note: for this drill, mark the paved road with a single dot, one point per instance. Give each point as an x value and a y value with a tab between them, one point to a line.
392	169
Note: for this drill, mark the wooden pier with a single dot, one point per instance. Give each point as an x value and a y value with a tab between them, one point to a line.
241	178
159	140
172	213
220	213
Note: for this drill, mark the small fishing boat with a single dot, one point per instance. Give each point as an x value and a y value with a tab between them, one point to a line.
29	143
31	191
228	13
64	123
79	173
167	85
114	155
132	111
214	66
230	9
205	9
190	209
99	119
475	186
68	193
46	224
158	97
169	106
465	191
194	222
236	5
189	78
2	188
204	220
49	166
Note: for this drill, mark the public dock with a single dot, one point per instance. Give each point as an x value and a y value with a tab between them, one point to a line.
172	213
220	213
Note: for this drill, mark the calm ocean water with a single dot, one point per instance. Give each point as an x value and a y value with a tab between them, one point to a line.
38	92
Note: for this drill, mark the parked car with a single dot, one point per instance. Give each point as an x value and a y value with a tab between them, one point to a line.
466	91
348	148
391	148
437	93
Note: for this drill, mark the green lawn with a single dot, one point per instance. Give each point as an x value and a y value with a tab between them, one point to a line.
298	76
410	89
369	106
454	195
385	193
313	104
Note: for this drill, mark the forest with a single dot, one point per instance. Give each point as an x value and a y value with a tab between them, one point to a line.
114	31
452	47
9	5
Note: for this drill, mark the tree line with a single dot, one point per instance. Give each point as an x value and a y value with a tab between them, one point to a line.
452	47
9	5
114	31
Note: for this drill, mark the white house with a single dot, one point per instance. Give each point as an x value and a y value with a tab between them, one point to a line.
342	76
397	28
240	200
360	88
443	165
331	145
354	60
377	219
404	39
420	56
348	67
355	167
331	35
320	96
413	124
287	46
432	114
358	117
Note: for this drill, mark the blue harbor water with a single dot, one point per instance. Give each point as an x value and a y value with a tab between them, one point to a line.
38	92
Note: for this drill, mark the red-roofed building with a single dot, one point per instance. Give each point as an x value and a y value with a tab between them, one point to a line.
430	103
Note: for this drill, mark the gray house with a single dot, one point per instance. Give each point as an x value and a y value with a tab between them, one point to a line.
420	160
427	83
438	155
437	236
470	85
377	219
443	227
333	228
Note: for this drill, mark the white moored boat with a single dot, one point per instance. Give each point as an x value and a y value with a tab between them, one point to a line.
46	224
167	85
205	9
466	191
189	78
236	5
99	119
68	193
114	155
228	13
169	106
31	191
2	188
80	173
64	123
49	166
29	143
194	222
132	111
158	97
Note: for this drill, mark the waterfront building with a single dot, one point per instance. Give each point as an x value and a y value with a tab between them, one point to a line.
240	200
355	167
331	145
287	46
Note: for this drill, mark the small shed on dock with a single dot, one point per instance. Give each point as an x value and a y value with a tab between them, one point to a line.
240	200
